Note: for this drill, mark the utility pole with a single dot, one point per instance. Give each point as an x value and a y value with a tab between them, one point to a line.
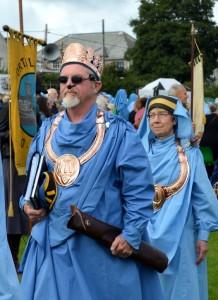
21	15
46	32
103	42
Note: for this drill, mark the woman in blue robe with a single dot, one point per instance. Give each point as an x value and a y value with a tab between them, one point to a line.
120	101
9	284
182	224
131	101
112	185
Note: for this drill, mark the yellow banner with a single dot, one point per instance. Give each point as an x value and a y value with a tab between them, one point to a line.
22	70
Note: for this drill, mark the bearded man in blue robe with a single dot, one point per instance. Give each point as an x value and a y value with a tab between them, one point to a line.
96	161
185	205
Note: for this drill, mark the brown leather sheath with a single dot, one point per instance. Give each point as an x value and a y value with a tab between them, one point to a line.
106	233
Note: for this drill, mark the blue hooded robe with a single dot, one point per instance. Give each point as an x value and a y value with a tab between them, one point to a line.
185	217
131	101
120	101
9	284
113	186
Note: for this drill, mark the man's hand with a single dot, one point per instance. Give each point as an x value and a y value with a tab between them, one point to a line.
121	248
202	248
34	215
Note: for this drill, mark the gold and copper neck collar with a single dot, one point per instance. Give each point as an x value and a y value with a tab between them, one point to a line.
67	166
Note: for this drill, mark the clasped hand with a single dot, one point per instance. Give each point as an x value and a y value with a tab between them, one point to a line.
121	248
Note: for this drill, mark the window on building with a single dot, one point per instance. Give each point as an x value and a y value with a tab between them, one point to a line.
120	64
56	65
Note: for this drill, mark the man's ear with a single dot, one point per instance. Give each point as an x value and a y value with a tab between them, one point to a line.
98	85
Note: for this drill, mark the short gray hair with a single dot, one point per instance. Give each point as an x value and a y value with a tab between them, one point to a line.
174	90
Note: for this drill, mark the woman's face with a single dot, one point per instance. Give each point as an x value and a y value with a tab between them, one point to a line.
161	123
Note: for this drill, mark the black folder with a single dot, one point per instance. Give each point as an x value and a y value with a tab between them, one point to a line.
36	168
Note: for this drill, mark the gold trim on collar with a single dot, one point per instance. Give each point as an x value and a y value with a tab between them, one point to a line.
67	166
162	193
215	188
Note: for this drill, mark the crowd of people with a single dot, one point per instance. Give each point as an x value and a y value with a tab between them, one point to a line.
127	161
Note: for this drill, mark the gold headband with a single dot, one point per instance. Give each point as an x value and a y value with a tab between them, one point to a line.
164	102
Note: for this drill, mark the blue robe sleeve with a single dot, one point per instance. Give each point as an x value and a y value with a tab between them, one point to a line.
205	203
137	187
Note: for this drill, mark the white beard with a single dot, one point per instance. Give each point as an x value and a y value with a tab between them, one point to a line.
71	101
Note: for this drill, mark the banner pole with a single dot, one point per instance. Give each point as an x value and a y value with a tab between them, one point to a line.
192	66
9	29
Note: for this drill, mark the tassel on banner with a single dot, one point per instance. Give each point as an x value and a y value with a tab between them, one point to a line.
10	209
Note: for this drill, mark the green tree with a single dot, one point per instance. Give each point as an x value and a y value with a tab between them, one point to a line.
114	78
163	38
49	80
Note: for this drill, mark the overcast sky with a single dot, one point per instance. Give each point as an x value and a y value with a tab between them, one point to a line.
67	16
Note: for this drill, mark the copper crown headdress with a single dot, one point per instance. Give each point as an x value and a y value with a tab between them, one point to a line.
77	53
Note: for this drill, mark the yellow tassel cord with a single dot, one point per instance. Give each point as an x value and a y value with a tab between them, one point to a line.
10	208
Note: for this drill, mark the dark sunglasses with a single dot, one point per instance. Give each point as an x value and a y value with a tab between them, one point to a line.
76	79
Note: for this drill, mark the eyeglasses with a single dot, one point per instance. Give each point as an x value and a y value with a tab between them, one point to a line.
76	79
161	115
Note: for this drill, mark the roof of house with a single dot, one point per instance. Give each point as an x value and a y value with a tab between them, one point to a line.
116	43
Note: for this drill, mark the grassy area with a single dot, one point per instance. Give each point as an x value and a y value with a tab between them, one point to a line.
212	264
23	243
